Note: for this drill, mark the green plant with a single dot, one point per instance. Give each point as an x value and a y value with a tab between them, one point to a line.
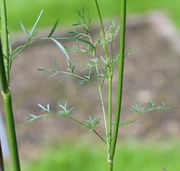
120	82
5	84
7	55
100	69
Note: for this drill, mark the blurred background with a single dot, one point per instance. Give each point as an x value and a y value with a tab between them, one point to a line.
153	72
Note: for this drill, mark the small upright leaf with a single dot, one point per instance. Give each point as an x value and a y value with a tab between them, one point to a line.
53	28
36	23
70	66
64	110
45	109
25	30
92	123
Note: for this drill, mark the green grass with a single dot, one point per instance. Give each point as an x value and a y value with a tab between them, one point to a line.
27	11
134	156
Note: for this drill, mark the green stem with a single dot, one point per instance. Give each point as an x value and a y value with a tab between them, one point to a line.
11	130
6	93
1	158
109	135
110	166
110	111
102	105
86	126
101	95
76	121
102	102
4	35
4	83
120	77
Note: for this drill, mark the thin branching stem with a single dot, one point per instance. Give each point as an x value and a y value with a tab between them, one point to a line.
101	100
72	119
110	110
15	53
103	108
86	126
72	74
109	136
120	78
99	87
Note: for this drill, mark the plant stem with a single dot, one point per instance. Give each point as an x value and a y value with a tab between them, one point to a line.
110	165
109	135
11	130
101	94
110	109
120	77
102	104
86	126
6	93
4	36
1	158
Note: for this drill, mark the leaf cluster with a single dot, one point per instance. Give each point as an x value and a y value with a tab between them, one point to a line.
139	110
98	68
64	111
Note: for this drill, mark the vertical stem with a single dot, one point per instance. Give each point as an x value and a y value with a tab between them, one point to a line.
110	166
9	115
6	93
110	110
109	135
4	34
11	130
101	96
120	77
3	78
1	158
102	104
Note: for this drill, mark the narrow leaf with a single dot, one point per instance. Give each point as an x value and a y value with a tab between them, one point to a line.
75	38
53	28
43	69
36	23
60	46
24	29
